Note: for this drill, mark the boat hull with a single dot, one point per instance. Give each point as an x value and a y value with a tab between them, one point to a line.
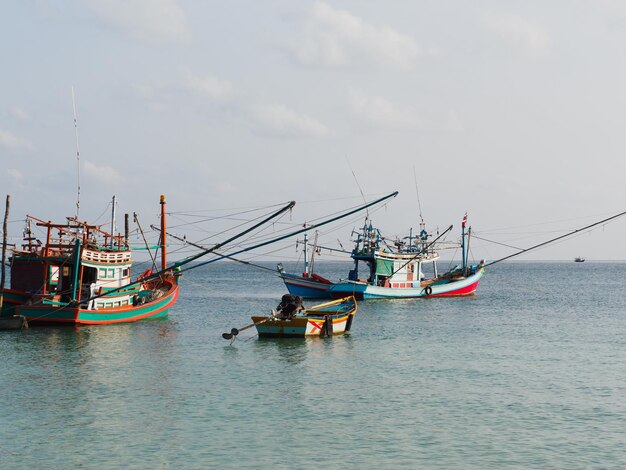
328	319
298	327
309	288
11	300
50	314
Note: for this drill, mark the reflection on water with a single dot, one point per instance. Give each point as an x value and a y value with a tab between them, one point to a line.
527	374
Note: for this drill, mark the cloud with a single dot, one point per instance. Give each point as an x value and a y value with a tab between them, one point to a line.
208	86
103	174
154	93
16	175
153	22
12	142
520	32
381	112
281	121
336	38
19	114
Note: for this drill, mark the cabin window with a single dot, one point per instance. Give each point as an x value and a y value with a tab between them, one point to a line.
102	273
111	273
125	272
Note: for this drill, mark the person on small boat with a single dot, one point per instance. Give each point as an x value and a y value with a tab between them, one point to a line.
289	306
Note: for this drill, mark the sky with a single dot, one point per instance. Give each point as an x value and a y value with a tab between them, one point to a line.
511	111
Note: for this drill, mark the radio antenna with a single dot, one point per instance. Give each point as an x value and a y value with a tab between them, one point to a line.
77	156
417	193
367	212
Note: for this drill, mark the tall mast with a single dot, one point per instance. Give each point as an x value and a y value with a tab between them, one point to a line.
306	259
463	223
313	252
77	156
4	249
113	228
163	234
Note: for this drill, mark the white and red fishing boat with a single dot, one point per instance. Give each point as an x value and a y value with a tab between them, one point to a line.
391	271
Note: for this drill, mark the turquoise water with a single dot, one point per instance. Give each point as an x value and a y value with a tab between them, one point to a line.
529	373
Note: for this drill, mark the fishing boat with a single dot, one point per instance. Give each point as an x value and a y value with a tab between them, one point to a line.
327	319
391	270
81	275
579	259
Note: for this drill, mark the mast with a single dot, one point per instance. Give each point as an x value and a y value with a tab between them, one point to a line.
112	221
313	252
163	234
77	156
469	234
463	222
306	259
4	250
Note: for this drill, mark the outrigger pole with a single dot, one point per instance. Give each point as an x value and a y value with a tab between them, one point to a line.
287	207
259	245
558	238
297	232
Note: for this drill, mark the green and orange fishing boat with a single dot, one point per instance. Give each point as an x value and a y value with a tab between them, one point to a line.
81	275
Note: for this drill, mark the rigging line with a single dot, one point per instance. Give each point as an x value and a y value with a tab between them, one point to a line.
329	249
77	155
277	214
224	256
497	243
604	221
357	182
297	232
206	252
250	240
242	210
243	244
417	193
223	217
542	223
136	220
423	250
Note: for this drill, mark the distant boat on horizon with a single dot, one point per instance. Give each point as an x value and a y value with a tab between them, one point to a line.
579	259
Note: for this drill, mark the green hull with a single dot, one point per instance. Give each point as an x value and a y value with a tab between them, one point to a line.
79	316
11	300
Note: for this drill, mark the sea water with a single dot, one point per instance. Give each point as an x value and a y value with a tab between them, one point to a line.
529	373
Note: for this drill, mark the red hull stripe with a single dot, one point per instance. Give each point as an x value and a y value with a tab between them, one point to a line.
469	290
170	302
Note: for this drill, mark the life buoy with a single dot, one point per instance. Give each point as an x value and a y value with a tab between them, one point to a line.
428	290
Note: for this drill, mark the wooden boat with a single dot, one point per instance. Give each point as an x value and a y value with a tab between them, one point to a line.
391	271
327	319
81	275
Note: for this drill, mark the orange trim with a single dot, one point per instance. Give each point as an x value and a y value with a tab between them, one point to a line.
173	297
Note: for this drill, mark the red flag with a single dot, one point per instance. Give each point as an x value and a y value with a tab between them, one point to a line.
464	221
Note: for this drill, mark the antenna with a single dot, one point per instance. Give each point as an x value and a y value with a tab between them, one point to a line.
77	156
367	212
417	193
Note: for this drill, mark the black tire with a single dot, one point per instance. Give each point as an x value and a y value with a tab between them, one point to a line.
428	290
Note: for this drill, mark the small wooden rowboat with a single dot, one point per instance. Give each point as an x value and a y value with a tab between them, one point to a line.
327	319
